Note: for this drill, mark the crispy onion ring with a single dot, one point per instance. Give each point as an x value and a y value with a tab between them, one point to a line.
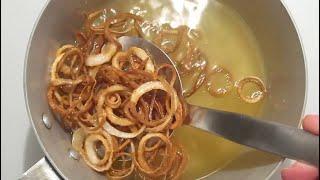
89	147
142	163
140	53
105	92
89	154
56	101
55	79
220	91
113	100
101	113
123	173
255	97
161	85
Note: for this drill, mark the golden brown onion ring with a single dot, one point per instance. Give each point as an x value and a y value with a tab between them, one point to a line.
256	97
142	163
140	53
110	90
195	85
156	145
90	149
120	174
220	91
56	105
113	100
55	79
109	151
123	173
153	85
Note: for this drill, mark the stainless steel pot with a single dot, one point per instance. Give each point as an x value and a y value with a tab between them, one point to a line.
277	38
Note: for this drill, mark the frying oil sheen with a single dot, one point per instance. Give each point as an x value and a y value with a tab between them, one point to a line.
226	41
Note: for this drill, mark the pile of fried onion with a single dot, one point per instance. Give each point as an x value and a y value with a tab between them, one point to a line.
120	107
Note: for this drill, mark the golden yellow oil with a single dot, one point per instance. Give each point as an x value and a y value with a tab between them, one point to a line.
227	41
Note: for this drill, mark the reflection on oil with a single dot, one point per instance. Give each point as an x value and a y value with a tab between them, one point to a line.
191	11
207	153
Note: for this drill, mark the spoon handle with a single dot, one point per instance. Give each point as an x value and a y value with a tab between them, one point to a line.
272	137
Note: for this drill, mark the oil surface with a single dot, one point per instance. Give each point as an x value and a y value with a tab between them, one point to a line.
228	42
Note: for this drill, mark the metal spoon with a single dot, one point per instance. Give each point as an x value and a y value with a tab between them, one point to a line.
276	138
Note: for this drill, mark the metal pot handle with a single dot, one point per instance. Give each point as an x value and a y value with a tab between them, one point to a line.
41	170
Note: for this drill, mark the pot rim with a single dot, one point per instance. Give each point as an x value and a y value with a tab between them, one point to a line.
285	6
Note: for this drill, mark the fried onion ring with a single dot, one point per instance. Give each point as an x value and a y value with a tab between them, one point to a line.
255	97
142	163
55	79
223	90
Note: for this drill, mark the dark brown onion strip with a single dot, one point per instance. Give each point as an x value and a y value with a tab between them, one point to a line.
90	149
153	85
